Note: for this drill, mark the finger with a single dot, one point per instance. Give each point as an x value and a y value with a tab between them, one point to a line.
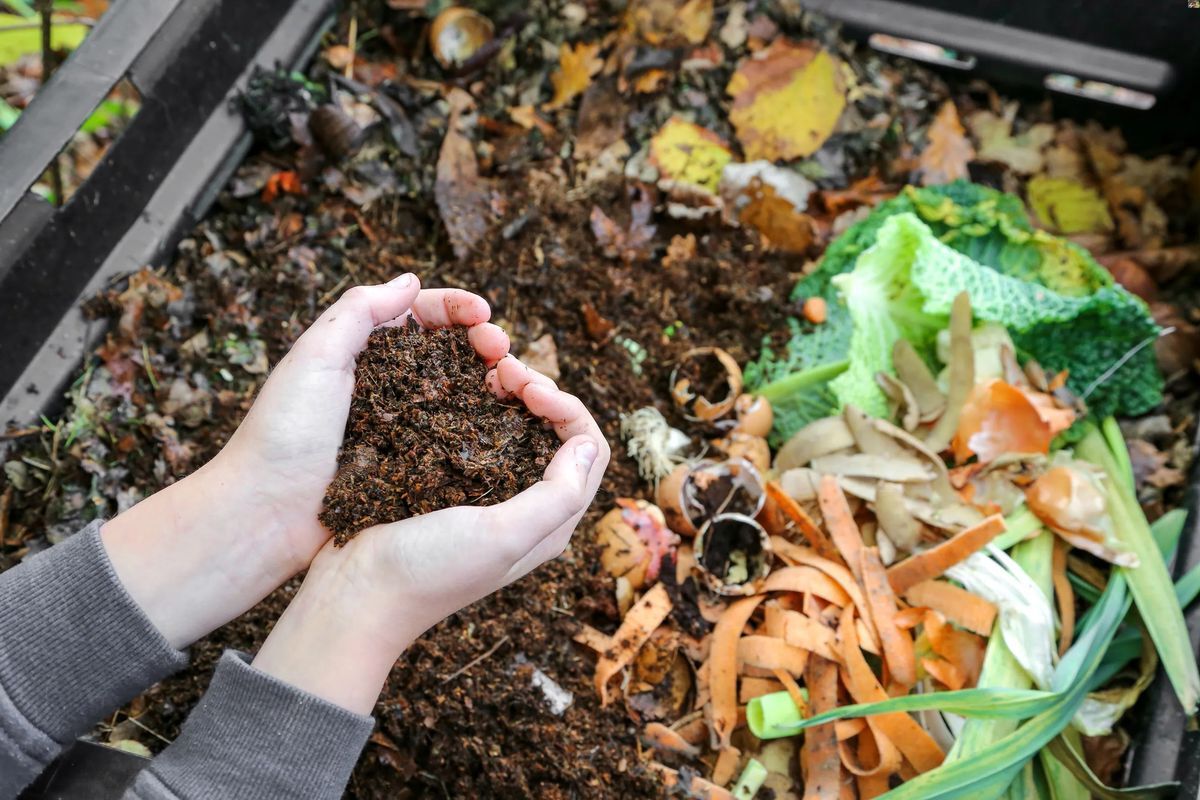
565	412
515	376
564	491
441	308
341	332
492	382
489	341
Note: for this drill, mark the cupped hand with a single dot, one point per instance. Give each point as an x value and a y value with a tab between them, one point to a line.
361	605
288	444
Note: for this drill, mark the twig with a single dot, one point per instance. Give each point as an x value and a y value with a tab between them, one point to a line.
48	65
483	657
147	729
353	42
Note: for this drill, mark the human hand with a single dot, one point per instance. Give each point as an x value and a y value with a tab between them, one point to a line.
209	547
363	604
287	445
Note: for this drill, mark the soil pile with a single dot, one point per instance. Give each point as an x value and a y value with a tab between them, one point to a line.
424	433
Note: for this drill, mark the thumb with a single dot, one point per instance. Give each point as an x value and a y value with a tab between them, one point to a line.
523	521
341	332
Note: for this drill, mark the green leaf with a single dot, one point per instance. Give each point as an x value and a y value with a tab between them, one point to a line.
8	115
18	37
22	7
977	777
994	703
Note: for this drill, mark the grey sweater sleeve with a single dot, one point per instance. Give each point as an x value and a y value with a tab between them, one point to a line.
254	737
73	647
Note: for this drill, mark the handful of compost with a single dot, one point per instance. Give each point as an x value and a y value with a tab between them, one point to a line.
424	433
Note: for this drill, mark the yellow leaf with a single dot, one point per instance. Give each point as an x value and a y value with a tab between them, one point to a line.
945	158
687	153
786	100
1067	206
576	66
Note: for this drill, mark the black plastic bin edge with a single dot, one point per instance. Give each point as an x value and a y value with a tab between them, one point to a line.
180	199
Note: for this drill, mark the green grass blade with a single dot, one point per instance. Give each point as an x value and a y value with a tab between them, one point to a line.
997	703
1149	582
1066	753
22	7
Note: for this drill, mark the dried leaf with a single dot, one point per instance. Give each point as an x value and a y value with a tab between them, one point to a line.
634	244
686	153
1067	206
782	227
667	23
945	158
542	355
786	100
681	250
600	122
576	66
1022	153
527	117
286	182
463	197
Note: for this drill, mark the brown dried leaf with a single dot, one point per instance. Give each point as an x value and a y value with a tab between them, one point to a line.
668	23
945	158
463	197
630	245
576	66
681	250
542	355
782	227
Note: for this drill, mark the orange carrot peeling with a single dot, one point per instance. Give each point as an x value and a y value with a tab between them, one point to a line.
897	644
936	560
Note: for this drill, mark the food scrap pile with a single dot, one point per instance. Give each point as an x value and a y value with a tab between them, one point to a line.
424	433
637	192
966	551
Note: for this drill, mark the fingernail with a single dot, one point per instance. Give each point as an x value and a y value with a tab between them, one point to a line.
404	280
585	454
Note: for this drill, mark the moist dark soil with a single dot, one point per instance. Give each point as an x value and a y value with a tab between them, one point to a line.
726	537
424	433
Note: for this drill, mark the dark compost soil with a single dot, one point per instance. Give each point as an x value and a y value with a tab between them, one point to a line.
424	433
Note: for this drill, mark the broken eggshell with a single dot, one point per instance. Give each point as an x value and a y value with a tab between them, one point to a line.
706	384
748	447
754	415
733	554
694	493
457	34
634	538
